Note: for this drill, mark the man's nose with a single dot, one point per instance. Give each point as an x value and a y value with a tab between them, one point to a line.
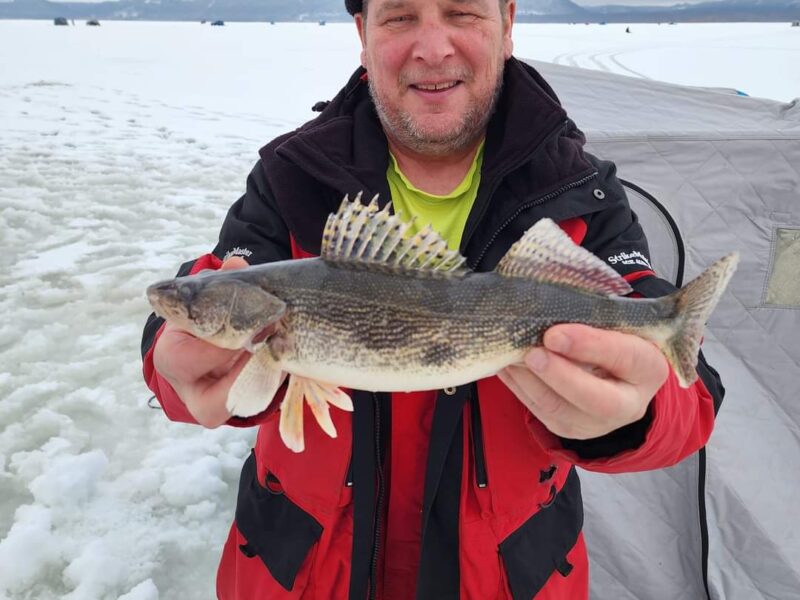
434	43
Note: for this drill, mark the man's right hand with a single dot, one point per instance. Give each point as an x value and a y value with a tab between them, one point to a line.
200	373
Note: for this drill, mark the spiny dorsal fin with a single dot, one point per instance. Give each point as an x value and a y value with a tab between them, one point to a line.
546	253
362	234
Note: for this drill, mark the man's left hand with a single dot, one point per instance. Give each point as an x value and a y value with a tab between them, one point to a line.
586	382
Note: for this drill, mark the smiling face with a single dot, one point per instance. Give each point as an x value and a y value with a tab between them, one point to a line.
435	68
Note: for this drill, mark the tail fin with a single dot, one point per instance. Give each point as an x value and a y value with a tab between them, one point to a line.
694	304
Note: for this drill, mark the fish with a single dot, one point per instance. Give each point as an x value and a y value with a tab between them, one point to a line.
383	310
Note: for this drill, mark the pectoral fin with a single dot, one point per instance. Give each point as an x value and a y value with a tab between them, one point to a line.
319	408
256	385
291	422
333	395
319	396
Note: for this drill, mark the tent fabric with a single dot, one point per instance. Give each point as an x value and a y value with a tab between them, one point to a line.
725	523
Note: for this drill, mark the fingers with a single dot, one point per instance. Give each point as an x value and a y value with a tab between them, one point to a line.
200	373
206	400
604	400
625	356
234	262
587	382
558	415
532	391
180	355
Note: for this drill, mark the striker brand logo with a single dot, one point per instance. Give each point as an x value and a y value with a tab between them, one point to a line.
630	258
238	252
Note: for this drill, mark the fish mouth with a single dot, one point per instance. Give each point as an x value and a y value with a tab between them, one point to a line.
176	304
170	300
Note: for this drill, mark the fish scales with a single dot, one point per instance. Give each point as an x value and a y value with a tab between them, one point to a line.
407	321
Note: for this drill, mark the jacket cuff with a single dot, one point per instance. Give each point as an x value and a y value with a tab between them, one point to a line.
628	437
680	423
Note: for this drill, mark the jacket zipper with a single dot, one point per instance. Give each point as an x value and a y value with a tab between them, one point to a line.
496	181
376	539
348	480
526	206
476	431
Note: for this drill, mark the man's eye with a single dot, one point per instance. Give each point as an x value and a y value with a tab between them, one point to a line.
463	16
399	19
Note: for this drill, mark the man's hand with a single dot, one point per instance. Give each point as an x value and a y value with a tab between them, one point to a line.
586	382
200	373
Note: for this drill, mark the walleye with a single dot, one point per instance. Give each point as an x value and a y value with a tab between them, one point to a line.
383	311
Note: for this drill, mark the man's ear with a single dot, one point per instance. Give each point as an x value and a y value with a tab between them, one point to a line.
361	26
508	25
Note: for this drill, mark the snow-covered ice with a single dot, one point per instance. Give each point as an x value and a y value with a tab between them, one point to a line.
122	147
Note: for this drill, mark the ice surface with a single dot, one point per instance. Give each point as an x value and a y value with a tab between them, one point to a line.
122	148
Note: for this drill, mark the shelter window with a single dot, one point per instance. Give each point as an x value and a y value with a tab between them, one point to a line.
783	283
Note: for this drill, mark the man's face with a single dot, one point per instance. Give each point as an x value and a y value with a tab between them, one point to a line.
435	68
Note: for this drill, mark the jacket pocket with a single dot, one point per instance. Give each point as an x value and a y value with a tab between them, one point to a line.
539	547
276	530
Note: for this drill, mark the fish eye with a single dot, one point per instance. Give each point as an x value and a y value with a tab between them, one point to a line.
186	292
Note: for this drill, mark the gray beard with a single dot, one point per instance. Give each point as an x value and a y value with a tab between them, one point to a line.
400	125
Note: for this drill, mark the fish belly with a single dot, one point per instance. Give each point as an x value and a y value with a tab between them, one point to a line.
388	379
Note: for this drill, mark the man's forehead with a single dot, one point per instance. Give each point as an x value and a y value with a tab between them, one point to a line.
386	5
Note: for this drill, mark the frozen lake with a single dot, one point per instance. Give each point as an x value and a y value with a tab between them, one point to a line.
122	147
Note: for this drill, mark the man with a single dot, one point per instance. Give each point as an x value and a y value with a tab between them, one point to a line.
459	493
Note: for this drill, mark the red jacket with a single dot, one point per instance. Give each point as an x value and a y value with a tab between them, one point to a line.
448	493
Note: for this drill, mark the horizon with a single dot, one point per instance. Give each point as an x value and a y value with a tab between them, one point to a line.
534	11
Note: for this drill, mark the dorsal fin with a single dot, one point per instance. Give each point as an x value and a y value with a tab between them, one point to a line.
359	234
546	253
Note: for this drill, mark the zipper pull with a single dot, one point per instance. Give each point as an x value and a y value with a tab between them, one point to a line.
348	480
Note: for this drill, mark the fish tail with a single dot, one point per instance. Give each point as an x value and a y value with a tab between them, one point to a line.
693	305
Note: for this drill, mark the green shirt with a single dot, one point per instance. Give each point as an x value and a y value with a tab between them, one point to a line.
447	214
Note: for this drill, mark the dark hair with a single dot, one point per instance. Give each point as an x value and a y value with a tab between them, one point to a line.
353	6
357	6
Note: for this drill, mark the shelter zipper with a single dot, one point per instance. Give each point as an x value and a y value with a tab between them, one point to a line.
476	435
484	205
526	206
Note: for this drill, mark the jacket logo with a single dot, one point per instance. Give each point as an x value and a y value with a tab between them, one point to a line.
237	252
630	258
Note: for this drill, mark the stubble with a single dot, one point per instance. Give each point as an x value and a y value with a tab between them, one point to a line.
470	127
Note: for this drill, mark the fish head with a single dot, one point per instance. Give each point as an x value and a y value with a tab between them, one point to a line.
222	310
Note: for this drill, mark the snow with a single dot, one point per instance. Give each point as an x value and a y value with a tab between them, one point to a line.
758	59
122	147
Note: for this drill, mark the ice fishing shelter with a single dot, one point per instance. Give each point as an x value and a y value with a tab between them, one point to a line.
725	523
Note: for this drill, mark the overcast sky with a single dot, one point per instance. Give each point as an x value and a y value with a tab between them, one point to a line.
520	3
635	2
